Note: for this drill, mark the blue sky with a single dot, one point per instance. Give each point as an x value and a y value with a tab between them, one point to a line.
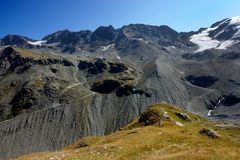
37	18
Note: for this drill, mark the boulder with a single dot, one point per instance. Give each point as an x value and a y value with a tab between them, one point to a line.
210	133
183	116
152	116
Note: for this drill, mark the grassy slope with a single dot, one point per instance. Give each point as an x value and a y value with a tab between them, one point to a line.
31	54
169	141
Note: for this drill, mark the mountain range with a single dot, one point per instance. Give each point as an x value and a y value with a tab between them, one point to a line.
70	85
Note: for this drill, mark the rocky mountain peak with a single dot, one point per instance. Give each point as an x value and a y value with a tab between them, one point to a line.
21	41
57	36
226	29
161	35
104	35
14	40
220	35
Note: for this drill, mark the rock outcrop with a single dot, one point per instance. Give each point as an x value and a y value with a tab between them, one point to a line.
183	116
210	133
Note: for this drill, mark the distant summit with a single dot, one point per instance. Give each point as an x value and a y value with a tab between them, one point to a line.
220	35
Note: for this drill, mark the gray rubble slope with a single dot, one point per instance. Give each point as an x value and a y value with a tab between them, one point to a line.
52	101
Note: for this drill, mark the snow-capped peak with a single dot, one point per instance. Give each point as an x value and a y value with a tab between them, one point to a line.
37	43
205	40
235	20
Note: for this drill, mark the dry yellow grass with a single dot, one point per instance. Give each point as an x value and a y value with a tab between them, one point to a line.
31	54
153	142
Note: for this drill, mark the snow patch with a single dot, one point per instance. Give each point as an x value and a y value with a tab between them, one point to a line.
53	44
106	47
209	113
237	34
218	103
118	57
140	39
226	44
204	41
37	43
235	20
